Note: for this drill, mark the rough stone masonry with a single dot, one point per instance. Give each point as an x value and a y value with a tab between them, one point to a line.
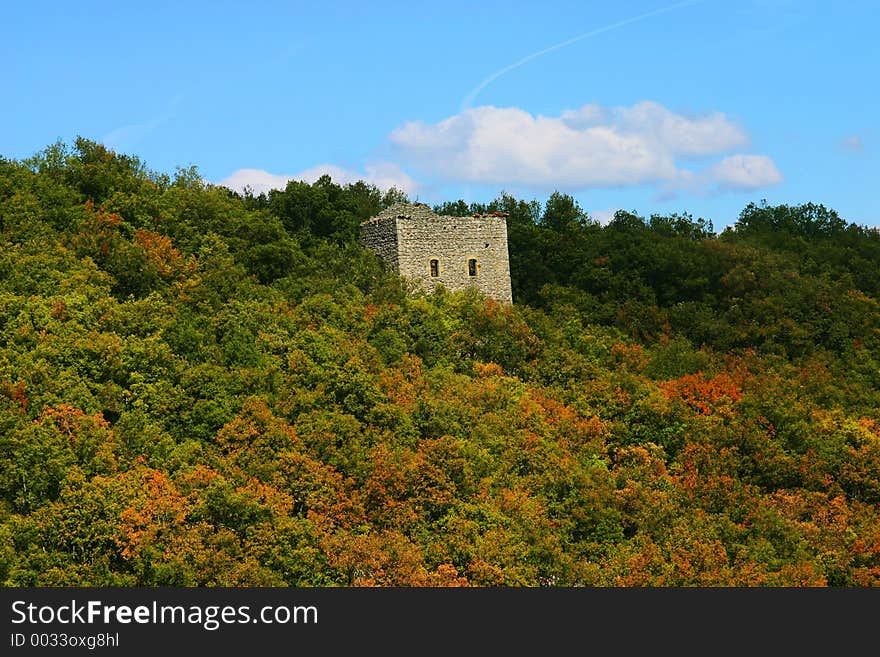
433	249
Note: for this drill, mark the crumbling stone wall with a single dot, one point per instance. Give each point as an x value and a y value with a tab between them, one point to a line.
381	237
408	236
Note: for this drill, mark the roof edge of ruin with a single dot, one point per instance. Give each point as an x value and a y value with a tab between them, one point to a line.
395	211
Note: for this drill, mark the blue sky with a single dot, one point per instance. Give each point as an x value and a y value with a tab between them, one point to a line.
644	105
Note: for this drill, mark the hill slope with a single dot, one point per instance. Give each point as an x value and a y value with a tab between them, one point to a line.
198	387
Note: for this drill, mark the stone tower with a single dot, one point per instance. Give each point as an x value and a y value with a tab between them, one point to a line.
433	249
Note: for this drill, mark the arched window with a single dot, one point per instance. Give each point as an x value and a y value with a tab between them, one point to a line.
435	267
472	267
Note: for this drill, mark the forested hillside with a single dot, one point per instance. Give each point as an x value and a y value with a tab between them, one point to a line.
199	388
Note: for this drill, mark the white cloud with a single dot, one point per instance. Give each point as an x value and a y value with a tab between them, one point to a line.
510	146
383	175
744	172
604	217
683	135
589	147
852	144
593	146
339	175
386	175
257	179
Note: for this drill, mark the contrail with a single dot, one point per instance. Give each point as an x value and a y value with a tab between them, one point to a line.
469	99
